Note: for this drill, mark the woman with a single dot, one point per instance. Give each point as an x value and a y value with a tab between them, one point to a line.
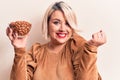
67	56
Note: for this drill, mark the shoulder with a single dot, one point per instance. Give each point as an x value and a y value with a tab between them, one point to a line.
36	50
77	41
36	46
78	38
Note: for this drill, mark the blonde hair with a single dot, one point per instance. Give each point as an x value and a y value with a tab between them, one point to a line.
67	11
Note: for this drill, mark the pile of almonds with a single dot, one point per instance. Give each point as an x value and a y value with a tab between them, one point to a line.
20	27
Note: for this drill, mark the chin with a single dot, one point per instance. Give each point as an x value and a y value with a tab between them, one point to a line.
62	41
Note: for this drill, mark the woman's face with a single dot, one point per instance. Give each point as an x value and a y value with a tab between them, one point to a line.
59	29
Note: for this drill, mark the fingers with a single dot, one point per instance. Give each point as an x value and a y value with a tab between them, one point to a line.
99	38
9	33
16	40
99	35
102	34
21	37
15	36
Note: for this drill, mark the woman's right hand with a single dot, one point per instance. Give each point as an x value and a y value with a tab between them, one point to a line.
16	41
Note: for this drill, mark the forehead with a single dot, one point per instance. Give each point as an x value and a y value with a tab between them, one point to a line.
58	15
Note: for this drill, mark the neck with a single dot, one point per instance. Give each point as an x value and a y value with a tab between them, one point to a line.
55	48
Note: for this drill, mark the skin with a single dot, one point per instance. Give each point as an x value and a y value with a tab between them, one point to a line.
59	32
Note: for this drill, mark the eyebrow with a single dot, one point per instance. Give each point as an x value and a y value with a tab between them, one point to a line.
56	19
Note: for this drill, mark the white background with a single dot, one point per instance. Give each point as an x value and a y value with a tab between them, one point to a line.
92	15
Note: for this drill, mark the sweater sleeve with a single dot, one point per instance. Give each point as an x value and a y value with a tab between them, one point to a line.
24	63
84	60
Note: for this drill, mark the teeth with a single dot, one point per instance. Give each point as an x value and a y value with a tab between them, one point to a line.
61	35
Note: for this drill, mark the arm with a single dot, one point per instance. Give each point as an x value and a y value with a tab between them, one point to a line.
85	63
85	57
24	63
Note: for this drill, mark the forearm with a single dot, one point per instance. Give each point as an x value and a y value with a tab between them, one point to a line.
19	69
85	66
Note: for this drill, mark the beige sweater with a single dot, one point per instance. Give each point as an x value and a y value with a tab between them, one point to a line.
76	61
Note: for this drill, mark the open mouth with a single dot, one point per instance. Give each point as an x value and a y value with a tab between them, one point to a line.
61	35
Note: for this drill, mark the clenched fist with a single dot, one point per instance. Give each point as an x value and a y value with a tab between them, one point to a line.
98	39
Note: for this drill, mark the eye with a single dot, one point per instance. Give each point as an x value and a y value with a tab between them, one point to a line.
56	22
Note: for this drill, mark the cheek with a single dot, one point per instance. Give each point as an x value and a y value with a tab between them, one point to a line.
70	31
52	30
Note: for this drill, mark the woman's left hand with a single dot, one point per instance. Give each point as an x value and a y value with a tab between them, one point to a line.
98	39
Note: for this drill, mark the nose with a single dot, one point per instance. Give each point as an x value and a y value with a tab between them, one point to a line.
62	27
